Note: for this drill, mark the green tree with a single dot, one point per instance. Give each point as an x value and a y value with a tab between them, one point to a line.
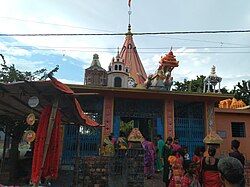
242	91
194	85
224	90
11	74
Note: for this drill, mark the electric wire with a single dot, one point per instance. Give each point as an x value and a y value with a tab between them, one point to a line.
135	33
146	52
221	43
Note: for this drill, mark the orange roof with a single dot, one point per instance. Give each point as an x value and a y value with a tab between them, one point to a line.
169	59
132	59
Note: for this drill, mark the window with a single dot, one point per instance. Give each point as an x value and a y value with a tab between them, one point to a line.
120	67
118	82
238	129
116	67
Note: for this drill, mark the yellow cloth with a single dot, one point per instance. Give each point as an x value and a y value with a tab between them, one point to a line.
108	148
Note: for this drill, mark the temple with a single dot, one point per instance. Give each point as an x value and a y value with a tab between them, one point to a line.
125	102
122	101
132	99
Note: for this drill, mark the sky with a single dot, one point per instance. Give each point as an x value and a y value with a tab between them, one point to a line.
230	53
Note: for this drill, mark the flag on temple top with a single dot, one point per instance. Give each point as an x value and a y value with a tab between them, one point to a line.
129	3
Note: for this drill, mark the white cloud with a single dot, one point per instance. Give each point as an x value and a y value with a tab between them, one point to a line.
190	64
12	49
18	52
230	82
151	63
25	65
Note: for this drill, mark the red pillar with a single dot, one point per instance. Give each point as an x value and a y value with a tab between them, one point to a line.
168	118
108	110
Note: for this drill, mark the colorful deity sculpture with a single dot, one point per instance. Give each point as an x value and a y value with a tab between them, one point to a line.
162	78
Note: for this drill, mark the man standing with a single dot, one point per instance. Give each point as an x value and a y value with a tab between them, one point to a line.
235	144
159	160
167	151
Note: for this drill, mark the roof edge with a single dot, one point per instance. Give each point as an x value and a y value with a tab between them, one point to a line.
229	110
135	90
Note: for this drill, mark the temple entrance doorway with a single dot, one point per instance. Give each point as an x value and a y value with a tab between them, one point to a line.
147	126
145	114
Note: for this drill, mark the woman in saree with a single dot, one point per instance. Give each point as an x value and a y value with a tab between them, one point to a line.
149	158
210	173
159	159
176	162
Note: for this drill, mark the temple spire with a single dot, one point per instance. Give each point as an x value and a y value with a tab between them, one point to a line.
129	19
131	58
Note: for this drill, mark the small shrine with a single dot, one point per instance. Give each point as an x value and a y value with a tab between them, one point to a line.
211	81
213	139
162	78
118	73
135	136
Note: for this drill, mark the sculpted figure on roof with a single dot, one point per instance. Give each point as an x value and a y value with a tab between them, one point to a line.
162	78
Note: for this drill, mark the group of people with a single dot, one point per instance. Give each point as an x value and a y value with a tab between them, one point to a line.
204	169
179	170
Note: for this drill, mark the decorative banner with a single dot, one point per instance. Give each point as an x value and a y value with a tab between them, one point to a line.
29	136
210	116
168	119
30	120
108	116
33	101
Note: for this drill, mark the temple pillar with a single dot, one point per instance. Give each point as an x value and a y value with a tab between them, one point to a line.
208	86
168	118
209	117
108	112
204	87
